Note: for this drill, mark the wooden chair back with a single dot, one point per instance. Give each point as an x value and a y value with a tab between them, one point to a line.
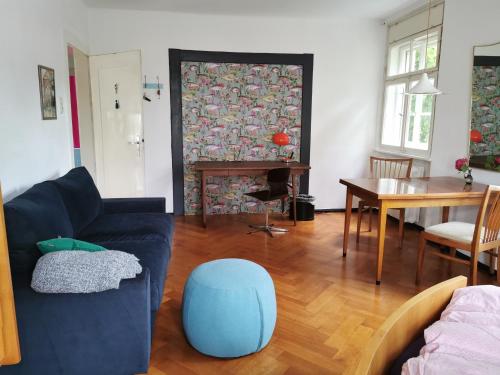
488	218
9	341
390	167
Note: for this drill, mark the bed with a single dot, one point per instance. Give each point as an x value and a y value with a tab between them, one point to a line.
446	329
405	326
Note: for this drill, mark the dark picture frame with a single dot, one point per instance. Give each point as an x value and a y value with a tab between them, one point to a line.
485	113
47	87
176	56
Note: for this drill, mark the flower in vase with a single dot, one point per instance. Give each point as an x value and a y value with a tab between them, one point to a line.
462	165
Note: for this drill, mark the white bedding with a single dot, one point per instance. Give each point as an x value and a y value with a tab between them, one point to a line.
466	339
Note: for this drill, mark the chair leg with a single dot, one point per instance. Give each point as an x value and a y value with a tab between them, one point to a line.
473	267
269	228
492	263
401	226
370	214
498	266
420	260
453	252
360	217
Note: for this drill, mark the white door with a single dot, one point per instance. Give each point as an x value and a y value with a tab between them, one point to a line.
117	107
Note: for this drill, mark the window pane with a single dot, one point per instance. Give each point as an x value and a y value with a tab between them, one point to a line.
419	120
418	52
393	115
399	59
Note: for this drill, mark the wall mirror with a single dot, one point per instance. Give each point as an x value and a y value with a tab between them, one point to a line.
484	143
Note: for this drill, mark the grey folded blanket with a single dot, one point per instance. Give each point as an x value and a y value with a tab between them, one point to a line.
82	271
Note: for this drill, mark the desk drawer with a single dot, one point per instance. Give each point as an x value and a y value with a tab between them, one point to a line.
219	172
247	172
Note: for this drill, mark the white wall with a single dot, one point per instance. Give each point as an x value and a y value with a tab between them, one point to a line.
348	73
75	24
32	32
466	24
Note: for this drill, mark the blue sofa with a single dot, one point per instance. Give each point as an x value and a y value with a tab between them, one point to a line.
98	333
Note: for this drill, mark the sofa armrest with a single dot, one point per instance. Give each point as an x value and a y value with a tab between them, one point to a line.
133	205
94	333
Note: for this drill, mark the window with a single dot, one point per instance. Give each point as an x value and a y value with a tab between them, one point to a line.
406	125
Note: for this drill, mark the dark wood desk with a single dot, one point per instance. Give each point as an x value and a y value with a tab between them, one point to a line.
246	168
404	193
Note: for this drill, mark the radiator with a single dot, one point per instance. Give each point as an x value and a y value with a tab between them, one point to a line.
412	215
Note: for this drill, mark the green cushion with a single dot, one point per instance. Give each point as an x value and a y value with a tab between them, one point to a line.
58	244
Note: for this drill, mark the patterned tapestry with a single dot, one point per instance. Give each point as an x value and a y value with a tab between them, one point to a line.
485	117
230	112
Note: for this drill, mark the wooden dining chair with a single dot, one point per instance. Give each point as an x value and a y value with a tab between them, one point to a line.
474	238
385	168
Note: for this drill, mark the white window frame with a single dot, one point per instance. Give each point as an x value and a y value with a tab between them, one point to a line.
407	78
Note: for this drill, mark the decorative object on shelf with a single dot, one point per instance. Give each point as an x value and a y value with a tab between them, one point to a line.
424	85
484	144
47	85
282	139
462	166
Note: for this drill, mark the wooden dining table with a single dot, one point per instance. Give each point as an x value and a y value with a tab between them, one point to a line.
407	193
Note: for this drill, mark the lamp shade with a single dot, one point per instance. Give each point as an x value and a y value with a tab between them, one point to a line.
281	139
424	86
476	136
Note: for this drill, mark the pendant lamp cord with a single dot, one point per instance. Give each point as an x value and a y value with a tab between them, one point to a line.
427	36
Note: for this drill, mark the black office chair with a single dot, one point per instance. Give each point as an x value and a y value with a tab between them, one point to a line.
277	180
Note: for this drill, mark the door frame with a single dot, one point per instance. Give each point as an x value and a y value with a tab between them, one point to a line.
97	123
79	108
176	56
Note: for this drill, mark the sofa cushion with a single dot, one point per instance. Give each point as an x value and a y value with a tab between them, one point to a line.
152	254
36	215
80	334
128	226
81	197
65	244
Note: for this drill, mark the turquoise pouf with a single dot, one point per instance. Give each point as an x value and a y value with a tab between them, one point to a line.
229	308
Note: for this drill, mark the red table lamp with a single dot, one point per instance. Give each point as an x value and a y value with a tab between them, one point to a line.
281	139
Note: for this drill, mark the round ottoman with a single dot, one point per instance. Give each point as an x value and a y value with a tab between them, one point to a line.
229	308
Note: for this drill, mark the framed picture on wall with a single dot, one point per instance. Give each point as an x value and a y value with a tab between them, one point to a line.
47	84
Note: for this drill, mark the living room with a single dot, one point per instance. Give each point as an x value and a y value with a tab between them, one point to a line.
146	130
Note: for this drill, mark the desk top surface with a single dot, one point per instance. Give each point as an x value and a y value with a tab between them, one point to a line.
264	164
411	188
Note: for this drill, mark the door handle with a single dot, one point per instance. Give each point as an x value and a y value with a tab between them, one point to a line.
137	142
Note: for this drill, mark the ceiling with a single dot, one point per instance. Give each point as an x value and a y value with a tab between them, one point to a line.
376	9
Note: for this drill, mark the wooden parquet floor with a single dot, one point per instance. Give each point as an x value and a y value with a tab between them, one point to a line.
328	306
